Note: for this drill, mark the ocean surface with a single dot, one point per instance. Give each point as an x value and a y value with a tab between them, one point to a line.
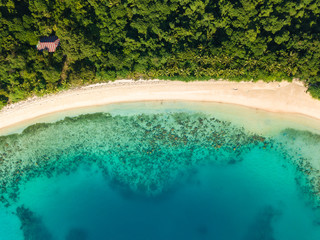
161	171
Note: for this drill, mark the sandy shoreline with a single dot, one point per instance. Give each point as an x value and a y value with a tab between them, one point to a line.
281	97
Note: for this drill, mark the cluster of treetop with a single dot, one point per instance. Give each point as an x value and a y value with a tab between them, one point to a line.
103	40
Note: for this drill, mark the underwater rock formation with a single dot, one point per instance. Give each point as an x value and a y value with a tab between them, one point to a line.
262	226
32	225
146	154
303	149
76	234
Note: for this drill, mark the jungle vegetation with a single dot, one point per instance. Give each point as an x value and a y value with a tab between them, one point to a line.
104	40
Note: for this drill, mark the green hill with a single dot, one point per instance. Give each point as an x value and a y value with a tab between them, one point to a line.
175	39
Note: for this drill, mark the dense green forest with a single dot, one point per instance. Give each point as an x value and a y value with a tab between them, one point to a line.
103	40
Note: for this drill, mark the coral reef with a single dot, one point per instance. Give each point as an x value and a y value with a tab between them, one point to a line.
303	149
146	154
31	225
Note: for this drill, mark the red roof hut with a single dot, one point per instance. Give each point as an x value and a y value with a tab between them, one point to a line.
49	43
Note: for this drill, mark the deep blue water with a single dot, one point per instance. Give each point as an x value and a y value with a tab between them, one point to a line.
156	177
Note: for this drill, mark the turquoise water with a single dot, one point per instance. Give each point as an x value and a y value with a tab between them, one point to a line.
174	173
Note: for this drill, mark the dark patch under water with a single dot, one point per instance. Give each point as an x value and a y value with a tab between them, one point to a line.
262	226
32	225
158	176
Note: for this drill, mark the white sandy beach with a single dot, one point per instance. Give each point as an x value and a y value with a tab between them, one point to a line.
281	97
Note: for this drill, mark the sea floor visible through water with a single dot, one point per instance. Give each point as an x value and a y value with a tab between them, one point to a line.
162	170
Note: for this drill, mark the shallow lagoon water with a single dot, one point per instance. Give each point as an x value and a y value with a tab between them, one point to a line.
162	171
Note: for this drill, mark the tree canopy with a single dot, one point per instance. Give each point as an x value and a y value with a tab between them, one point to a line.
185	39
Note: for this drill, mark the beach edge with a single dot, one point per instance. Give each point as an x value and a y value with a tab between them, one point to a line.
282	97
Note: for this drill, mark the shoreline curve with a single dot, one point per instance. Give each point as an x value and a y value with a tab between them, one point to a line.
280	97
